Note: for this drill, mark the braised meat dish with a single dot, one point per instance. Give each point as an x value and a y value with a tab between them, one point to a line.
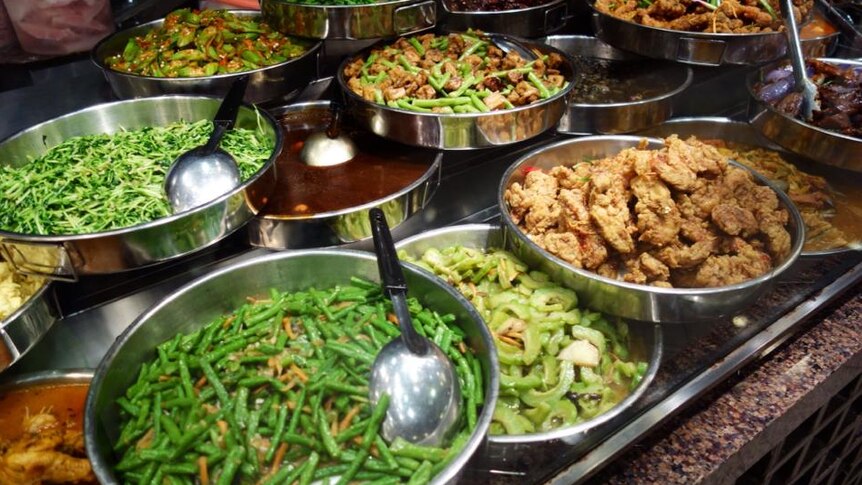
49	451
679	216
713	16
839	95
455	73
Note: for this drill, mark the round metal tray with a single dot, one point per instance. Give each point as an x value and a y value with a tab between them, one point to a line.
522	22
697	48
647	345
225	290
275	82
352	22
459	131
23	329
151	242
621	117
817	144
629	300
741	132
345	225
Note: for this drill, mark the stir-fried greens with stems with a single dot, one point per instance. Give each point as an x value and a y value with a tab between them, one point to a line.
96	183
455	73
559	364
195	43
277	391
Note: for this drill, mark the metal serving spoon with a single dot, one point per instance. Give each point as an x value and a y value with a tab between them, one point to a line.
803	84
423	388
330	147
204	173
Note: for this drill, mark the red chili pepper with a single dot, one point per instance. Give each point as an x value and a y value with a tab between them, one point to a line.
529	168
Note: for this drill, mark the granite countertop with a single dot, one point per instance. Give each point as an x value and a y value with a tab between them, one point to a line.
736	424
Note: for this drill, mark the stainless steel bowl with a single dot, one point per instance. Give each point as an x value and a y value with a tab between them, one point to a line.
225	290
23	329
667	79
741	132
646	342
345	225
46	378
818	144
521	22
151	242
697	48
351	22
629	300
459	131
275	82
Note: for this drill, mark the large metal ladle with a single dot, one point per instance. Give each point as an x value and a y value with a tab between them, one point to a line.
204	173
330	147
424	393
804	85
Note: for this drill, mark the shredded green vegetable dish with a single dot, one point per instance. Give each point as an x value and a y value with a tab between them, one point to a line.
559	364
96	183
277	392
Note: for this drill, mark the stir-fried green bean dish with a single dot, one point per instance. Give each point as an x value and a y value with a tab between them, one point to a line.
277	391
455	73
96	183
194	43
559	364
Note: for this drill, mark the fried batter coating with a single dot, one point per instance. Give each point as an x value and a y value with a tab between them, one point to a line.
679	215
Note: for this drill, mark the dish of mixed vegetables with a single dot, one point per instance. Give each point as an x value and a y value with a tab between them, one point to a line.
195	43
559	364
96	183
277	391
455	73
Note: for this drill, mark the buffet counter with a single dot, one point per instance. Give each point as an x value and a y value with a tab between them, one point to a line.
726	393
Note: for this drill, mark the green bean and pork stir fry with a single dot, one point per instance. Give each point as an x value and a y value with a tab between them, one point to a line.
195	43
559	364
95	183
277	392
455	73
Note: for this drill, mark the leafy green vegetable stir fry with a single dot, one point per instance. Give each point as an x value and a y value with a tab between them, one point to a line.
96	183
277	391
559	365
455	73
194	43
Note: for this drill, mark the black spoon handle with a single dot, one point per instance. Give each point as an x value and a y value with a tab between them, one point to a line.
393	280
226	115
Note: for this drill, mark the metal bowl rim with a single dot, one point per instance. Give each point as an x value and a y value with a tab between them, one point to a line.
59	238
502	13
100	467
731	122
384	3
564	92
311	50
756	74
797	237
678	89
27	303
566	431
47	377
434	167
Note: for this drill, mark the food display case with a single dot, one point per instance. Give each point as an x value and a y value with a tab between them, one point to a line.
458	196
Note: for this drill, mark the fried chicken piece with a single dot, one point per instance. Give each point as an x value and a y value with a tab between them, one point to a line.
609	270
728	269
646	269
658	219
675	166
734	220
575	177
564	245
610	212
679	255
575	218
706	159
39	456
535	204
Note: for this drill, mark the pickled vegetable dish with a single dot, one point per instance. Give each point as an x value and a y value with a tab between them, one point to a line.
195	43
277	391
101	182
559	364
456	73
